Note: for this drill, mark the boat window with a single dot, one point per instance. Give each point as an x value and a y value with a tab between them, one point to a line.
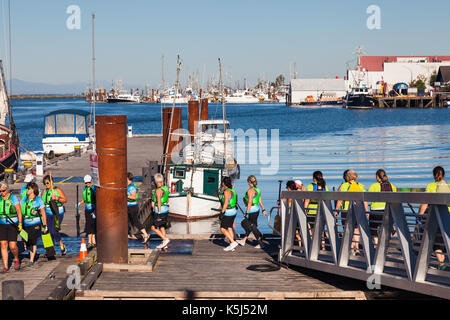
81	125
50	125
65	124
214	128
178	173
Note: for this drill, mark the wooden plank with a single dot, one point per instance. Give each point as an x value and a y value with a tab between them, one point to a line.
211	295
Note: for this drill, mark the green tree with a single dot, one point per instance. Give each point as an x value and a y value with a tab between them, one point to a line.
419	83
433	78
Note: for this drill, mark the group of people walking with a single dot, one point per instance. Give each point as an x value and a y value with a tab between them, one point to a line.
376	212
38	213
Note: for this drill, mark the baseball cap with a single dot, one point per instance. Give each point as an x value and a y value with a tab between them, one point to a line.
87	178
28	178
298	183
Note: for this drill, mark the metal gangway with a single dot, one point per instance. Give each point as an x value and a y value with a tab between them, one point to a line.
404	257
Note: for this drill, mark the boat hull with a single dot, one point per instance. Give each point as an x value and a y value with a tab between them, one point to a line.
63	145
361	102
184	206
8	160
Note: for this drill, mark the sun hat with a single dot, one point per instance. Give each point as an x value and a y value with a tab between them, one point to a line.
87	178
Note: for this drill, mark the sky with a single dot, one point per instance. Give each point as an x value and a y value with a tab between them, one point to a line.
256	39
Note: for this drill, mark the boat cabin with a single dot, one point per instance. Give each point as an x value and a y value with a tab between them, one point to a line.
65	129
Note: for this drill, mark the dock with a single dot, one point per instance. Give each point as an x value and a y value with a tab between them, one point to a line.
423	102
193	267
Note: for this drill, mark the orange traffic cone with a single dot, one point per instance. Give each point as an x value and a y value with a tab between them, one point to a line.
83	250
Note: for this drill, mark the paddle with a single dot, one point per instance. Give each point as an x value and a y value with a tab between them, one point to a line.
78	217
22	232
48	243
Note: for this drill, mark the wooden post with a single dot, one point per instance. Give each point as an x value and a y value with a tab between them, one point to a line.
112	218
192	117
176	124
204	110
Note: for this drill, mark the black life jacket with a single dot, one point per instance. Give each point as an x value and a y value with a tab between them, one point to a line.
386	186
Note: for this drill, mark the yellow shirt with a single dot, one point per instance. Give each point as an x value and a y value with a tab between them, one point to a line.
376	187
432	187
345	187
313	203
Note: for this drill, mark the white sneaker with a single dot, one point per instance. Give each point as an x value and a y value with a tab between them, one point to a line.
258	246
241	242
165	243
231	247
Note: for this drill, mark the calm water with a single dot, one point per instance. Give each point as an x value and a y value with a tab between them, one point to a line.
406	143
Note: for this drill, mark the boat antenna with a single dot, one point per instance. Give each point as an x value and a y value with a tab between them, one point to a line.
222	98
93	78
172	112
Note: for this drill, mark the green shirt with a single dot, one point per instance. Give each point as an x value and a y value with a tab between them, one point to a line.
345	187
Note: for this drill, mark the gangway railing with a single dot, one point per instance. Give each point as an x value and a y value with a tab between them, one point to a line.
405	255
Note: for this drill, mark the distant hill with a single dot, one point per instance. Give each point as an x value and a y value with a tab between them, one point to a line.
20	87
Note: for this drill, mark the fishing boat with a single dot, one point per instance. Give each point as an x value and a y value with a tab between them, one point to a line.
325	99
66	129
124	97
9	139
171	97
195	180
241	97
360	96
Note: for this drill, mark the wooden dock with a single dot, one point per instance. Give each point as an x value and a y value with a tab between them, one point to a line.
423	102
208	272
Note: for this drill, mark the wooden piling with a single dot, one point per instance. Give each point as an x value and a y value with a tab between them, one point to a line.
204	110
112	218
192	117
172	141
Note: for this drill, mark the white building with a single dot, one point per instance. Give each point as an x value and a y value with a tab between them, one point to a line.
395	69
299	89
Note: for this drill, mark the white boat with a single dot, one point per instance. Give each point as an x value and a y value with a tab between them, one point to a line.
170	96
195	182
66	129
241	97
195	178
124	97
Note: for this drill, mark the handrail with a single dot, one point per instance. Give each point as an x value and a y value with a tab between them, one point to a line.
327	249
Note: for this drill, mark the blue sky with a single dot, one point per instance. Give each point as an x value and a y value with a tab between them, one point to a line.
253	38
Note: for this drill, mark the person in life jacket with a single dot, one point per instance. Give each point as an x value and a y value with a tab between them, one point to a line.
160	206
318	184
34	218
52	192
254	204
10	224
292	186
228	200
90	202
352	186
23	191
377	208
439	185
132	207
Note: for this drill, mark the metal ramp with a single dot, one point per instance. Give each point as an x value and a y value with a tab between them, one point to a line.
404	256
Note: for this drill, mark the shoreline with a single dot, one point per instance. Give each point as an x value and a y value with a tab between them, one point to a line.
43	96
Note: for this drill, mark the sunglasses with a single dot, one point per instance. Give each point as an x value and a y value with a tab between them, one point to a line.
4	190
47	183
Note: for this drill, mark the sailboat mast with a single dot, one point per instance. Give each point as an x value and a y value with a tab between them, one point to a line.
172	112
224	115
93	75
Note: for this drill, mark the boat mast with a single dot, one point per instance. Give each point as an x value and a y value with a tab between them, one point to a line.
224	115
172	112
93	77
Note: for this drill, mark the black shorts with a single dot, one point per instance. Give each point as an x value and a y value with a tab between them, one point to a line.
375	221
91	222
34	232
133	212
160	220
227	222
8	232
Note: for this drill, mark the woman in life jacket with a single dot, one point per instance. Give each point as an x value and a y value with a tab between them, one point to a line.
89	201
377	208
439	185
34	218
228	200
10	224
52	192
292	186
352	186
311	205
254	204
160	206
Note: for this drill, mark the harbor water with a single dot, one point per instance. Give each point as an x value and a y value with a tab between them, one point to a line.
407	143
